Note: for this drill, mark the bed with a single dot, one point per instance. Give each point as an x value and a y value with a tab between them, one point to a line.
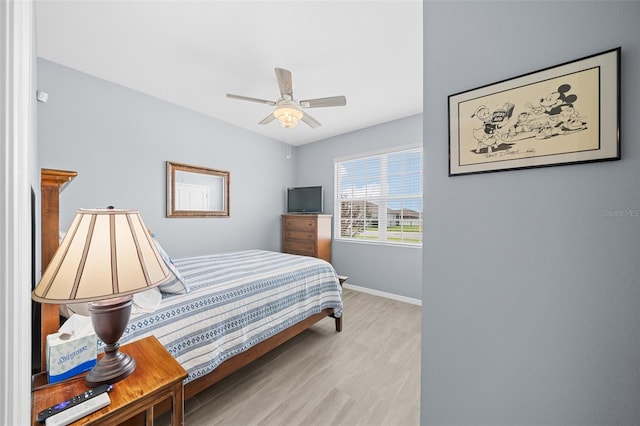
235	301
222	311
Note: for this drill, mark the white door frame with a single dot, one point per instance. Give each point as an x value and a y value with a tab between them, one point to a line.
17	142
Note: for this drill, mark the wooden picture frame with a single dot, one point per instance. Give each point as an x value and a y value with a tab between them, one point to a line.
565	114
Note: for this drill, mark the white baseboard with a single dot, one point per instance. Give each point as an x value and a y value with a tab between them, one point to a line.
384	294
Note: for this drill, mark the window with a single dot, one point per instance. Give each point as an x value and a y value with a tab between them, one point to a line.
378	198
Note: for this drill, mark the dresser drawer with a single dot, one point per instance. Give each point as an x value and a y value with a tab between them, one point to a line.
301	235
300	247
300	224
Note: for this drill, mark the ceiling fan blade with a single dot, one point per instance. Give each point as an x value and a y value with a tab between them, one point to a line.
268	119
324	102
312	122
247	98
284	82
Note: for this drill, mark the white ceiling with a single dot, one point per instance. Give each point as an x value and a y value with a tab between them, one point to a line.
192	53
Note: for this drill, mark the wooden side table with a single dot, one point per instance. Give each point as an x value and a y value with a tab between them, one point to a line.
158	376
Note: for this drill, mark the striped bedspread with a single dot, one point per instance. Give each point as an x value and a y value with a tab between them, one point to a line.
236	300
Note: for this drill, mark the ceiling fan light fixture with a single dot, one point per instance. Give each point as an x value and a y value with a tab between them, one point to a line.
288	117
288	111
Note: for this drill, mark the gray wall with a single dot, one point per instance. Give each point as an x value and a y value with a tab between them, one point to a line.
118	141
531	289
395	270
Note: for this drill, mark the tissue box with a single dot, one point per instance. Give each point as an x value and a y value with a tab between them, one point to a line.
68	355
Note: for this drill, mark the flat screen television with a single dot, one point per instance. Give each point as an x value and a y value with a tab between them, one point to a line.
307	199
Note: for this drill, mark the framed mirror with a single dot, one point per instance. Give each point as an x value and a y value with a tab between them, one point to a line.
194	191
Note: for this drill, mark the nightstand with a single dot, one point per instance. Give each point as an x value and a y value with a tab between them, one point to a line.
158	376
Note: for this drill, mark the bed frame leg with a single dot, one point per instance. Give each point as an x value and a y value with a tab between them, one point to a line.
341	279
339	324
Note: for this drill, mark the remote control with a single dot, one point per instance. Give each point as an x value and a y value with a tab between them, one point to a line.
78	399
76	412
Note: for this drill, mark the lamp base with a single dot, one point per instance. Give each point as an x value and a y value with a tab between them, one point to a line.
109	319
113	367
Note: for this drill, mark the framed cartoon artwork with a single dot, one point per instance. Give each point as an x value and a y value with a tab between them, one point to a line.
569	113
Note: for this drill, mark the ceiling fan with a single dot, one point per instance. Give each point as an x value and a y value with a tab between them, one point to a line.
289	111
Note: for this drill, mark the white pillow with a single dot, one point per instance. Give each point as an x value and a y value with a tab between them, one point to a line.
145	301
78	308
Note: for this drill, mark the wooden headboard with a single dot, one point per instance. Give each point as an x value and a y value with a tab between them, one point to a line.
51	183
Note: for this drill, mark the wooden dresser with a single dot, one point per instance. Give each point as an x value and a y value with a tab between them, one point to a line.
307	235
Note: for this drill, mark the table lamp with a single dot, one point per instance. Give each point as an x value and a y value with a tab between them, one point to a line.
106	256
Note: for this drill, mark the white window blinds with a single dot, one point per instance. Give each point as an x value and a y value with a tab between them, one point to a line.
378	198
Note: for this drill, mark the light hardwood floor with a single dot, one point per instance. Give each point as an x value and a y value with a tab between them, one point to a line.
369	374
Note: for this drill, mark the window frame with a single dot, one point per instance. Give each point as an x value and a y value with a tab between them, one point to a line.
384	198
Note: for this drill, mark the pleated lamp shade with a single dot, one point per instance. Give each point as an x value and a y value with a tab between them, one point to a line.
105	253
